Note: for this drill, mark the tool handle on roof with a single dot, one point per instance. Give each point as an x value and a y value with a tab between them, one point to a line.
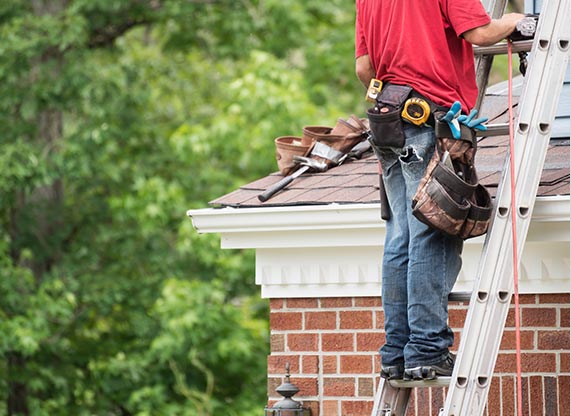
278	186
385	207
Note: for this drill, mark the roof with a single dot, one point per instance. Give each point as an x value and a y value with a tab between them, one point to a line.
357	181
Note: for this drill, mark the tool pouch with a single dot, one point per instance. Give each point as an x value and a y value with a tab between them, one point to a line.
449	197
330	145
286	148
322	143
385	118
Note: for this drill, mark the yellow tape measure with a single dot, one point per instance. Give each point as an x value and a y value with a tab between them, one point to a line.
416	110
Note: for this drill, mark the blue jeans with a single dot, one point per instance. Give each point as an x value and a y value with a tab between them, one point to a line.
420	264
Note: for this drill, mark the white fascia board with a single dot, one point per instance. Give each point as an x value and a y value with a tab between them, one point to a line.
336	250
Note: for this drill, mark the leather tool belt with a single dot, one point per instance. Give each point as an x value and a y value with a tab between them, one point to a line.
449	197
386	119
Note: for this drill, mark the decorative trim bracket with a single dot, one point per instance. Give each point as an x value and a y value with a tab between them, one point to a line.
335	250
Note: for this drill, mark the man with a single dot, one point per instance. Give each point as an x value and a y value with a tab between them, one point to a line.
425	44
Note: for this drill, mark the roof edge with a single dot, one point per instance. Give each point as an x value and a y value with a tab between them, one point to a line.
330	217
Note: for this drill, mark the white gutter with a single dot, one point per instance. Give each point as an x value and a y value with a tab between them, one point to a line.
329	217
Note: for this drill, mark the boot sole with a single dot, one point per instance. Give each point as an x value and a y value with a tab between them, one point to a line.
392	373
424	373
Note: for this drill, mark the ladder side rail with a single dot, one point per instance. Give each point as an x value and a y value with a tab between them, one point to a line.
473	385
483	67
378	397
377	402
495	9
530	151
495	312
495	242
389	397
486	292
535	153
461	384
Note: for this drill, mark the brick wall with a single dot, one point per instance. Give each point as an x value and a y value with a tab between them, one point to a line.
332	347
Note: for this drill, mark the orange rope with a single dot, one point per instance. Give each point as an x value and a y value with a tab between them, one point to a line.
514	235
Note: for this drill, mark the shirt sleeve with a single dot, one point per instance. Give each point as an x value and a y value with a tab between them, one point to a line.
360	44
465	15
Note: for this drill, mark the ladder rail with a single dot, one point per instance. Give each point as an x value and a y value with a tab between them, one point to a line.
482	332
483	63
390	401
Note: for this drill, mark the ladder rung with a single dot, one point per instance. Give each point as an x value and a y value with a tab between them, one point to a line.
459	297
502	129
502	48
437	382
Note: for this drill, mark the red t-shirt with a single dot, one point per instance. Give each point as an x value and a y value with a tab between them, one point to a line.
418	43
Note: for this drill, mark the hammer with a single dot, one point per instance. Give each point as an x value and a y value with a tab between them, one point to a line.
306	164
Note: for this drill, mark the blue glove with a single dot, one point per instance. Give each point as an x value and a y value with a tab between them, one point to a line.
471	123
451	118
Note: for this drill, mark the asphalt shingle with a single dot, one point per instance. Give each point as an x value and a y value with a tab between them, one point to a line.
357	181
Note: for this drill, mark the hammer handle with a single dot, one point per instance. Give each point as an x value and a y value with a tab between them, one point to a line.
385	207
278	186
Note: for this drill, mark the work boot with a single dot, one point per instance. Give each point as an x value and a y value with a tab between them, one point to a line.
392	372
430	372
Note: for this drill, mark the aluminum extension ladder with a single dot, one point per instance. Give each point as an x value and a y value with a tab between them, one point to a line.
493	288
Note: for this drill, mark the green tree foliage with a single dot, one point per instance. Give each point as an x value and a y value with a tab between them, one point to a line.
117	116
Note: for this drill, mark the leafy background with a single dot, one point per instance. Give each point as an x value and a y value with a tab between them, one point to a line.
117	117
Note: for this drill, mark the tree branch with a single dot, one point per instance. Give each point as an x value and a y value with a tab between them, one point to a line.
105	36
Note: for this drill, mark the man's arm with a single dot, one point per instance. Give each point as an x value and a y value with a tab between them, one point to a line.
364	70
494	31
